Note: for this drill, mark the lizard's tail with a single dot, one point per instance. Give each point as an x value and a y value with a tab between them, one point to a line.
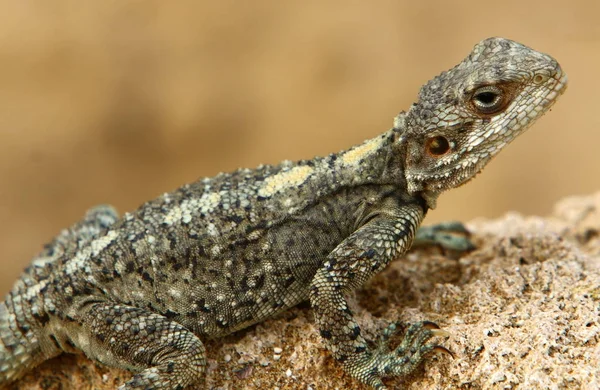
18	347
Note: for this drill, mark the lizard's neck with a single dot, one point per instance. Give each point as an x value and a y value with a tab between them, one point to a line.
376	161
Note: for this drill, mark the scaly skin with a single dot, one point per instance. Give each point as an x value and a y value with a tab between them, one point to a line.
140	292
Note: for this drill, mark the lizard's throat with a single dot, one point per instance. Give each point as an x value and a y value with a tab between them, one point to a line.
431	187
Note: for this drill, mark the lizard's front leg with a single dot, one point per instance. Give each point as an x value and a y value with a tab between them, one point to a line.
349	265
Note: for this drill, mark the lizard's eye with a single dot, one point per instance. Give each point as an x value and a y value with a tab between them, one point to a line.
437	146
488	99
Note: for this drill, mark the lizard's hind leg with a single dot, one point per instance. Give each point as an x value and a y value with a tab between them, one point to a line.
167	355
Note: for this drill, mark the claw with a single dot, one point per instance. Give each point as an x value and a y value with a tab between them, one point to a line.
430	325
440	349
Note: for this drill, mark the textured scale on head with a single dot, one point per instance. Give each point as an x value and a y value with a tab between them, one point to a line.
467	114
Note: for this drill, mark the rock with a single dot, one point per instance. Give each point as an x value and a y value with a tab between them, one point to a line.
523	311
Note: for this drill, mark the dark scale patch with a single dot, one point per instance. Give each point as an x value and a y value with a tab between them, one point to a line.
326	334
257	284
171	314
355	333
246	318
235	219
100	337
259	281
129	267
223	324
289	281
172	260
44	290
341	358
136	237
332	263
369	254
55	341
173	241
277	304
23	328
177	266
331	160
201	303
360	349
83	290
262	225
170	367
248	303
70	343
146	276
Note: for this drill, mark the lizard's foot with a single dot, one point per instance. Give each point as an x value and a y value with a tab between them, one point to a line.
407	356
451	235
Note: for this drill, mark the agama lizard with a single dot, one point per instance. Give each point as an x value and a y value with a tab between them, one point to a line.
142	291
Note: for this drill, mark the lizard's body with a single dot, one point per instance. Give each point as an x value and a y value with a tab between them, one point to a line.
218	255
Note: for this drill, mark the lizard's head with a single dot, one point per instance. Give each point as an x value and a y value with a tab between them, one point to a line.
467	115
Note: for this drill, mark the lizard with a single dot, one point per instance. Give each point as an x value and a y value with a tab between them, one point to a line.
141	291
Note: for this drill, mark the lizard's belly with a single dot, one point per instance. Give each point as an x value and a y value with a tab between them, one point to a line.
215	297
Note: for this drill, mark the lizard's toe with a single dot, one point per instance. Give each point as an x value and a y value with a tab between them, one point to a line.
452	236
414	347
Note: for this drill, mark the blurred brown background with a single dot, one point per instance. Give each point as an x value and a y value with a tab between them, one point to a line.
117	102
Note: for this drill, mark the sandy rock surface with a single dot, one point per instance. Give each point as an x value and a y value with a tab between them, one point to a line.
523	310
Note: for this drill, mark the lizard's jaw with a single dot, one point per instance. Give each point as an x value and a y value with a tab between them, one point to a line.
430	192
